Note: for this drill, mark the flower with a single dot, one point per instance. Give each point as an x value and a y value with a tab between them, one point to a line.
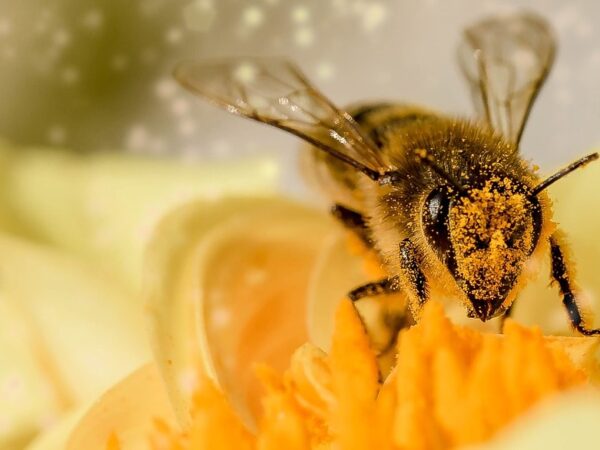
452	385
72	234
226	265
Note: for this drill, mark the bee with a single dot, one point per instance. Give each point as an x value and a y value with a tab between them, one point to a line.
448	204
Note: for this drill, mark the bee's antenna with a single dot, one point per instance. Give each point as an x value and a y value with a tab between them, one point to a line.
561	173
424	157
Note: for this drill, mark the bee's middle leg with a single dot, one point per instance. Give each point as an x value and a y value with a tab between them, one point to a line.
415	281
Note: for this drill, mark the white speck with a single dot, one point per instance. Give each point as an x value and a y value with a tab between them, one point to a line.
200	15
373	16
9	52
525	59
156	146
325	71
137	138
245	73
220	317
187	127
269	169
566	17
93	19
255	276
304	37
259	102
188	380
5	27
119	62
340	5
253	16
180	107
12	387
70	75
563	73
148	55
41	26
165	88
61	38
57	135
174	36
47	420
190	154
584	29
594	59
220	148
563	97
5	425
382	76
229	362
300	14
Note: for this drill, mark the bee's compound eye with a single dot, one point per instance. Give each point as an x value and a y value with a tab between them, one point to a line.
435	221
435	214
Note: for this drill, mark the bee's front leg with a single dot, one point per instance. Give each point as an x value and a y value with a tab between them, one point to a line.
411	273
412	279
413	276
560	273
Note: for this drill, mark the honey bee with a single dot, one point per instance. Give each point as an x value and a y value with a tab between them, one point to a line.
448	204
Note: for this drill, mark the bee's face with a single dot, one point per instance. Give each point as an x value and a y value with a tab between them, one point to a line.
484	237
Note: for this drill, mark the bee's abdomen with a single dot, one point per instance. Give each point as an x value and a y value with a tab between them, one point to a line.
378	120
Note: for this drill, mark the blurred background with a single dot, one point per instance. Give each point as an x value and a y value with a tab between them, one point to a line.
94	75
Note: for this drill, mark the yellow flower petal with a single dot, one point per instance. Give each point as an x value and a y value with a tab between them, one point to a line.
569	420
125	414
354	381
213	413
227	266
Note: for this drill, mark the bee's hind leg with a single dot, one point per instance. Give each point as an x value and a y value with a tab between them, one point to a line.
560	273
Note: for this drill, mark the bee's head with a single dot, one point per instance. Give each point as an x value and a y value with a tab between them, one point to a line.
483	235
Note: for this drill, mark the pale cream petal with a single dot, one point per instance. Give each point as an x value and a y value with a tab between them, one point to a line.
128	411
27	396
240	267
569	420
56	436
66	335
336	273
105	206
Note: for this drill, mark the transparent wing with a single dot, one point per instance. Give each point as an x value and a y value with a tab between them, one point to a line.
505	61
275	92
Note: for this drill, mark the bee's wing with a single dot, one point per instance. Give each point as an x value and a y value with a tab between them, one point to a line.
275	92
505	61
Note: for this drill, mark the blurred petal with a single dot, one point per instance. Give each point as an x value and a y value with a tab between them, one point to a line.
229	266
66	335
105	206
127	411
569	420
576	208
56	437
